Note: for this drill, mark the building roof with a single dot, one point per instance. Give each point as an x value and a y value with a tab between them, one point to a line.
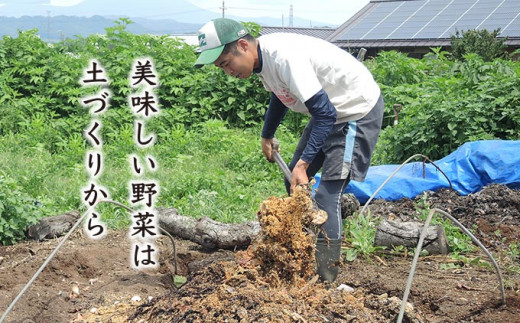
391	23
322	33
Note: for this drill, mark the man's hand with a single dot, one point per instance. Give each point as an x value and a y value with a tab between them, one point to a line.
267	149
299	174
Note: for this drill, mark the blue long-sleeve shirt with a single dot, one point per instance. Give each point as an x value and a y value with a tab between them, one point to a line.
321	110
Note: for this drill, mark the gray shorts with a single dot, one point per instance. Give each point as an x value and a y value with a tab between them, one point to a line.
347	150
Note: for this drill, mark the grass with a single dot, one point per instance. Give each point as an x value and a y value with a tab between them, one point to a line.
210	170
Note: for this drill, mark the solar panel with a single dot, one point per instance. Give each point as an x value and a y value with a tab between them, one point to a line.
386	10
513	28
406	28
359	29
437	8
464	12
491	12
432	19
445	17
504	17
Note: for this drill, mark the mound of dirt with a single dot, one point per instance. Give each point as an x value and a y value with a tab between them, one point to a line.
272	281
233	293
224	285
494	211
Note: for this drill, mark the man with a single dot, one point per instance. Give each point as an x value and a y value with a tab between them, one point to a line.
310	76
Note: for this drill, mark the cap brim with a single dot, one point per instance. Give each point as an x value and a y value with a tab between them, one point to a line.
209	56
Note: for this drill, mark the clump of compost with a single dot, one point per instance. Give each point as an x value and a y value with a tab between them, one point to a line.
284	251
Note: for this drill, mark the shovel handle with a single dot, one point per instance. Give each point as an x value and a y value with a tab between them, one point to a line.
279	160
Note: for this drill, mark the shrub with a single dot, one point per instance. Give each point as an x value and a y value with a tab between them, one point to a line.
17	211
480	42
464	101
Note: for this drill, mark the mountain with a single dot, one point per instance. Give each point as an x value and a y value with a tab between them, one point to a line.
178	10
93	16
118	8
57	28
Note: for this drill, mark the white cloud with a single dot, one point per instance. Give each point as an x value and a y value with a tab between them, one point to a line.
64	3
2	4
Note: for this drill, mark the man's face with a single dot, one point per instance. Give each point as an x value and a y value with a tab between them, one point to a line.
237	63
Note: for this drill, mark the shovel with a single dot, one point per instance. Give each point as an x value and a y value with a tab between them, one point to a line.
279	160
317	216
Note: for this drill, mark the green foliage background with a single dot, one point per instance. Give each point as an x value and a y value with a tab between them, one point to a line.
445	102
208	143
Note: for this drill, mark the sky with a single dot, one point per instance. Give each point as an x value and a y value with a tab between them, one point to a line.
331	12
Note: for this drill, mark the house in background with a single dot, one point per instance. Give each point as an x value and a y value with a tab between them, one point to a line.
414	26
322	33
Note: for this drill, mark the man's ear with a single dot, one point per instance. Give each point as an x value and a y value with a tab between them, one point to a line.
243	44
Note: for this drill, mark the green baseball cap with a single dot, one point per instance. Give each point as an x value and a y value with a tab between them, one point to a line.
214	35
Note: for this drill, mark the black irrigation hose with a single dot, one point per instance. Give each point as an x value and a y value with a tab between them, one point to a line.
418	251
423	234
53	253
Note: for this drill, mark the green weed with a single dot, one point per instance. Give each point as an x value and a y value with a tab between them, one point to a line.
360	231
17	211
513	253
458	241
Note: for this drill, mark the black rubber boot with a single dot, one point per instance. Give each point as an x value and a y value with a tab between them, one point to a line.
327	259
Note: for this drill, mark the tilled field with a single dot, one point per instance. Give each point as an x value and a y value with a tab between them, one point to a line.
92	281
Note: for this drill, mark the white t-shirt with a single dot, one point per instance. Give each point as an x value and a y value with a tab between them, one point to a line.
295	67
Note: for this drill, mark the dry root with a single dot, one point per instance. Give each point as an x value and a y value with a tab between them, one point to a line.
285	249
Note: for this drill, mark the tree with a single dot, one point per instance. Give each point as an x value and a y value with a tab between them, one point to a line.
481	42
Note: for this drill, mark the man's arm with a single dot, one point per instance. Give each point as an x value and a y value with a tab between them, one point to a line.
324	114
273	116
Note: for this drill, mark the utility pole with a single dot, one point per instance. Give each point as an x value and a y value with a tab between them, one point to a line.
223	8
48	25
291	16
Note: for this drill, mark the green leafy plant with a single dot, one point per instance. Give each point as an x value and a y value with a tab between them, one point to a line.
513	253
17	211
463	261
458	241
360	231
447	104
398	250
253	28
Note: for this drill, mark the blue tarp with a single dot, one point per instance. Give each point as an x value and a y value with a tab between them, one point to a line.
469	168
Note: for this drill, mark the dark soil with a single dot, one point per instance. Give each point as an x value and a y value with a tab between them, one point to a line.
219	289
